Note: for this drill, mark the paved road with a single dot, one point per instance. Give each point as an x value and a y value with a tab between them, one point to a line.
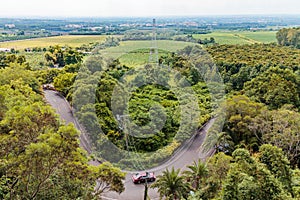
63	108
191	152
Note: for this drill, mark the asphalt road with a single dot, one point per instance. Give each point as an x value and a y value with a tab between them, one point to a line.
190	152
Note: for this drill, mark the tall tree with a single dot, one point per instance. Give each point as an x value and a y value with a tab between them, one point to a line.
278	164
171	185
280	128
196	174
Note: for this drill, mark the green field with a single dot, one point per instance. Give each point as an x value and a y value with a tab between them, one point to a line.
69	40
261	36
128	46
139	57
240	37
225	37
133	53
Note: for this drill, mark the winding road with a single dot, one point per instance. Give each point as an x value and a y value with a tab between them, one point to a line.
190	152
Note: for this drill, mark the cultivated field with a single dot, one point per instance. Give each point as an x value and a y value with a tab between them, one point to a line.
133	53
70	40
240	37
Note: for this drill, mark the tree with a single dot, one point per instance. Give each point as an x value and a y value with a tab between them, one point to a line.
275	87
95	63
171	185
62	57
248	179
289	37
39	157
72	56
240	111
218	166
19	72
296	181
196	174
64	82
279	128
278	164
109	178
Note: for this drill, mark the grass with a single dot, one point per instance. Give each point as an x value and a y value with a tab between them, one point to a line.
261	36
135	53
139	57
36	60
69	40
240	37
129	46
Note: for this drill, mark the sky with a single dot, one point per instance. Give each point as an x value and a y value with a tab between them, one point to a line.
110	8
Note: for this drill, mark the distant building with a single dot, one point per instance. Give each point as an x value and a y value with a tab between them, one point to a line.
96	28
74	26
9	26
5	50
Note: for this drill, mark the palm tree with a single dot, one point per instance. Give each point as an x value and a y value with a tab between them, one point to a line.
171	185
220	141
196	173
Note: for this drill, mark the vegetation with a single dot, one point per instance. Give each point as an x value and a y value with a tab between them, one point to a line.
40	157
266	175
241	63
161	124
240	37
61	57
67	40
257	150
129	46
171	185
289	37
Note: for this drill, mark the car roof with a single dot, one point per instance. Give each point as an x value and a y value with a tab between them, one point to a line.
143	173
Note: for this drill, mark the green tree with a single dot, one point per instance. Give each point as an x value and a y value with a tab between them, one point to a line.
278	164
279	128
196	174
109	179
171	185
39	157
240	112
218	166
64	83
289	37
249	179
275	87
72	56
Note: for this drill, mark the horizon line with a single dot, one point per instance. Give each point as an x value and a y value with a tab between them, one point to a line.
149	16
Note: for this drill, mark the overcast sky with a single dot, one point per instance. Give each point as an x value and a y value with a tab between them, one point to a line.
92	8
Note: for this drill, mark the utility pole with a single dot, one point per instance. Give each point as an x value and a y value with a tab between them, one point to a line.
122	125
153	55
146	190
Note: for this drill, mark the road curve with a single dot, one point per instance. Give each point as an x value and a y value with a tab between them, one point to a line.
190	152
63	108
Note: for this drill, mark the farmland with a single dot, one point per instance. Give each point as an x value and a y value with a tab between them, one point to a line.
128	46
133	53
240	37
69	40
224	37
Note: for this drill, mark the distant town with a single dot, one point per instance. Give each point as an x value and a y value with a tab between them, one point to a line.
25	28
